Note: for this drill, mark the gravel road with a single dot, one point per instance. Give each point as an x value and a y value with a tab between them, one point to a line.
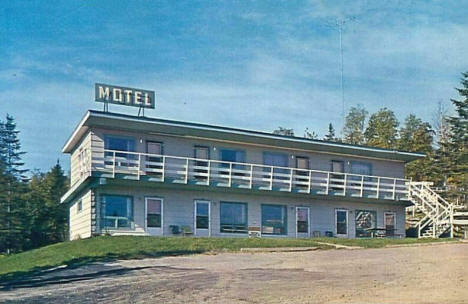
424	274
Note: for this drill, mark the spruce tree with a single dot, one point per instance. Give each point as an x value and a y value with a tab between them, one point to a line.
10	149
330	136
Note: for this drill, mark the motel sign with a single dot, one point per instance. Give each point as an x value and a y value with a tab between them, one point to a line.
124	96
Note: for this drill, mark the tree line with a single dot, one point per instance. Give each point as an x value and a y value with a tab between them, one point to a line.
445	142
31	215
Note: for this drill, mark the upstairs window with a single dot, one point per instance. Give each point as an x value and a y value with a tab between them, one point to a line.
112	142
201	152
229	155
361	168
275	159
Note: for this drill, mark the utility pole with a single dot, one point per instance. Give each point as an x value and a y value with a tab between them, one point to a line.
339	24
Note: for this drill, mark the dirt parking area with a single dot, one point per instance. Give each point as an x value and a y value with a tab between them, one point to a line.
423	274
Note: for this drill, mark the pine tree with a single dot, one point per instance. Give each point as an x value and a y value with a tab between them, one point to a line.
382	130
331	133
455	154
10	149
354	126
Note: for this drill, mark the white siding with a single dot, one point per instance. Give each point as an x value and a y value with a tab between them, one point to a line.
80	221
178	210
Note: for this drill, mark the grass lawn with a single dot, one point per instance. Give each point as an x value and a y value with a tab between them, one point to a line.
129	247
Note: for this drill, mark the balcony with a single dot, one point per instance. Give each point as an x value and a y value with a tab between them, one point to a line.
216	173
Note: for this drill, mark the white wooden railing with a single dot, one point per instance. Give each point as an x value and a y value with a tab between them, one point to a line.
187	170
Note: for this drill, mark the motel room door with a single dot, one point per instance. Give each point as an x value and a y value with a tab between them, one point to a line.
154	215
202	218
302	222
341	223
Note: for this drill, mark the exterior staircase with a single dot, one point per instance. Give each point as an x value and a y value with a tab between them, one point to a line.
432	215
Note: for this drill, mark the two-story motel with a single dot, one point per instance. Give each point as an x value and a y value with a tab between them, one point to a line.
147	176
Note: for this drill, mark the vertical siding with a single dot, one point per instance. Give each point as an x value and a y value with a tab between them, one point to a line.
80	222
76	165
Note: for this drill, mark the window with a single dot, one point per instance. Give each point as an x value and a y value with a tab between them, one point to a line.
274	219
233	217
154	147
337	166
119	143
232	155
275	159
79	206
154	164
202	211
153	212
201	152
302	162
361	168
302	219
365	222
116	211
390	223
341	218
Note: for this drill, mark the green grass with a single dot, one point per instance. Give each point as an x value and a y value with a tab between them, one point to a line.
107	248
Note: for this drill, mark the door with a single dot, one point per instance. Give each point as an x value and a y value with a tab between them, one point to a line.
302	222
154	165
390	223
154	210
202	218
341	223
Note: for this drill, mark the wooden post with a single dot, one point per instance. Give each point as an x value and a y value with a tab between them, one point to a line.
139	165
230	174
394	189
309	185
378	187
186	170
328	183
345	181
251	177
209	173
271	178
362	185
163	168
290	179
113	166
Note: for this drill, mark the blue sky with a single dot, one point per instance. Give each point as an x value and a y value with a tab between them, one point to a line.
246	64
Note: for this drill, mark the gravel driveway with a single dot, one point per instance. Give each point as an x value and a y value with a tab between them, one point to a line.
424	274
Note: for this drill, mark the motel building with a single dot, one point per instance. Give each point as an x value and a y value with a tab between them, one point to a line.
134	175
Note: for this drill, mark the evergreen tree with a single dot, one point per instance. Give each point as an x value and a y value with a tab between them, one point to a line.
382	130
354	125
48	223
331	134
10	149
454	155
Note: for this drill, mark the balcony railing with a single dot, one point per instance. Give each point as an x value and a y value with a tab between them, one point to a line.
208	172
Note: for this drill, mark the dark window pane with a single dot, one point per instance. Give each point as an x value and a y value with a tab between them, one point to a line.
202	222
274	219
341	223
233	217
153	220
202	209
117	211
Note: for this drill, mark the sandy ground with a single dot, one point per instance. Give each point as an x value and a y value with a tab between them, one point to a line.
427	274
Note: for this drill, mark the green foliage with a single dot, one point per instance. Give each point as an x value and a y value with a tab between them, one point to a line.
310	135
10	148
382	129
284	131
354	126
330	136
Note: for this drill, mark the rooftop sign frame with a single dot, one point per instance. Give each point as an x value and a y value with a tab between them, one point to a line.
124	96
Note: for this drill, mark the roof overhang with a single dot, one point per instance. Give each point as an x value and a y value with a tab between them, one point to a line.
187	129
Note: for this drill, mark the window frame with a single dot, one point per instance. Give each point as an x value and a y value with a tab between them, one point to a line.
161	199
102	210
107	136
221	203
79	206
195	215
307	161
394	220
308	221
346	211
285	219
357	162
195	147
154	142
